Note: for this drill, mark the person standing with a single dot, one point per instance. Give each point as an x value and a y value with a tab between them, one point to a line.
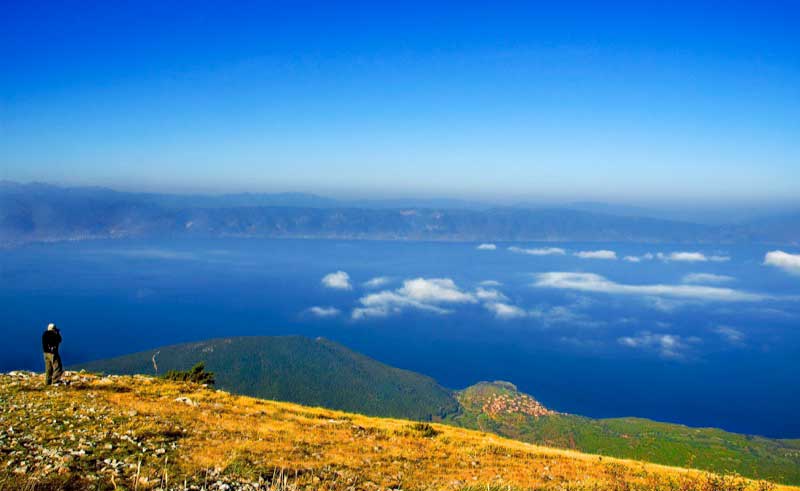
52	360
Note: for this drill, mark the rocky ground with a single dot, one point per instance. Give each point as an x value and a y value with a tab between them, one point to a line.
69	437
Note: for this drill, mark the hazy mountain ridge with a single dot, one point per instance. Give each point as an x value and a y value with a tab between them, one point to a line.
324	373
40	212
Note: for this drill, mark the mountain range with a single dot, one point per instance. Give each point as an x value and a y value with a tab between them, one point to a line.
41	212
319	372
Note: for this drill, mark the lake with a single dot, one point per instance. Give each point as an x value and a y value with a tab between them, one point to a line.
700	335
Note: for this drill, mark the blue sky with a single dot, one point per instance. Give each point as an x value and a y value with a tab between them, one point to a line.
615	101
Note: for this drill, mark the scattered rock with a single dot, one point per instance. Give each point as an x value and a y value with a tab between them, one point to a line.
20	374
186	400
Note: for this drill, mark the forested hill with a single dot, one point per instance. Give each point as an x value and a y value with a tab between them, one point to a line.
314	372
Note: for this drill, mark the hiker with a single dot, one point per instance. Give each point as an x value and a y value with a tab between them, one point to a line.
52	361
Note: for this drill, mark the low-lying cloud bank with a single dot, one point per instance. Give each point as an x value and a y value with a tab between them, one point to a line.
439	296
486	247
338	281
420	293
590	282
783	260
436	295
443	295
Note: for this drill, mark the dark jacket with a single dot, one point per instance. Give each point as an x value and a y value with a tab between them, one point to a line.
50	341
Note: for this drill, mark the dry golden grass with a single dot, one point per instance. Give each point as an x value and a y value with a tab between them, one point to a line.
286	446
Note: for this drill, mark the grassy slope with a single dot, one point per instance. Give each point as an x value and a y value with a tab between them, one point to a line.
323	373
637	438
132	433
302	370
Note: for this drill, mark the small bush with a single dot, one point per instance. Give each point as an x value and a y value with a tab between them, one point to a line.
425	430
723	482
196	374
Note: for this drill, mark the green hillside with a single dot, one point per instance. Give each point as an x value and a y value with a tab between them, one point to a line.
633	438
314	372
323	373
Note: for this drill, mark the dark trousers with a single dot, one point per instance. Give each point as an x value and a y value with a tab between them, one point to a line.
52	368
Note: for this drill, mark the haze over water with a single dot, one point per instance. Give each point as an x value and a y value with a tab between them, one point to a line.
672	337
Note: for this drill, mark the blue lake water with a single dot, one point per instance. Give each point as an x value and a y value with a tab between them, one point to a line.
619	338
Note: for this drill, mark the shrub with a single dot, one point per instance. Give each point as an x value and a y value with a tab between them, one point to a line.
196	374
425	430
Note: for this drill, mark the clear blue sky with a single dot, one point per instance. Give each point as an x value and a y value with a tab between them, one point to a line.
499	100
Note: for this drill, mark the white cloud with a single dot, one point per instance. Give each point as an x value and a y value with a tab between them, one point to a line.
690	257
707	278
435	290
490	295
545	251
387	302
419	293
486	247
505	311
667	345
490	283
730	334
338	280
601	254
589	282
442	295
364	312
783	260
637	259
377	282
324	311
